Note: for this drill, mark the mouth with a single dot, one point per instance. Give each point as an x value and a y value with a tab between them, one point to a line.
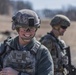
27	36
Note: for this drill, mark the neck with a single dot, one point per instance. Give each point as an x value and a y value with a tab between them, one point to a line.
56	33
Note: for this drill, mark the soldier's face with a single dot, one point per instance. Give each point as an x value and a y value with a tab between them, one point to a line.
27	33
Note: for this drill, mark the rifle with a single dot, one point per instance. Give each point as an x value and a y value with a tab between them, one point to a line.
0	64
71	68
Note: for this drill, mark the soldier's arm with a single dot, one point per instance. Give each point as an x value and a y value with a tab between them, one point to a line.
2	45
45	64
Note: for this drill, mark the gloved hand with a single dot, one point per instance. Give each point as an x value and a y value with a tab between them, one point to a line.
8	71
64	60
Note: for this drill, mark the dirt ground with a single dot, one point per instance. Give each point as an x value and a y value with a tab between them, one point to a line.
69	36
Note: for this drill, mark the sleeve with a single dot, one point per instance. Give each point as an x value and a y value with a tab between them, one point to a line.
45	65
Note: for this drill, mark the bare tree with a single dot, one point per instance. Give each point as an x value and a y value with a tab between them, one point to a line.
23	5
18	5
4	6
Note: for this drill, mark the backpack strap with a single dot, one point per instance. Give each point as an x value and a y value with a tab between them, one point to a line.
36	49
38	55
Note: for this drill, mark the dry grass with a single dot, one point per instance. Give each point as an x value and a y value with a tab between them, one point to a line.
69	37
5	23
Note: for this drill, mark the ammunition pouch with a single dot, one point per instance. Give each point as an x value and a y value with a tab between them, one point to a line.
22	61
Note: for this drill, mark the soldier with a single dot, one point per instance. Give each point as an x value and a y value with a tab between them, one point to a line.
57	46
23	54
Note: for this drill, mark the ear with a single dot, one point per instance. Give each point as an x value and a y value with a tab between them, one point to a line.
17	29
56	27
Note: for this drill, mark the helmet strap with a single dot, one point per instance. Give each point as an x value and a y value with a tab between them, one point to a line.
57	28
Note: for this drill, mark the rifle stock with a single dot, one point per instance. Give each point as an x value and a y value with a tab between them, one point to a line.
70	67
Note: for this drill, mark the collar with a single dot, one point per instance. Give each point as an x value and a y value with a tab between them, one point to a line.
14	43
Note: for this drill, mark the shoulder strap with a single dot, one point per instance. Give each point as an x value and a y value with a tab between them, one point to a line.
38	55
4	47
36	50
7	48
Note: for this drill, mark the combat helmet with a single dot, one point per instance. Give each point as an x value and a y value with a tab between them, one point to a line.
24	18
61	20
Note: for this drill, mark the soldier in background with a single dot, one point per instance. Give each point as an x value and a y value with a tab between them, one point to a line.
23	54
56	45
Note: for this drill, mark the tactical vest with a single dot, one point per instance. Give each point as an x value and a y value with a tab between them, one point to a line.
22	60
57	49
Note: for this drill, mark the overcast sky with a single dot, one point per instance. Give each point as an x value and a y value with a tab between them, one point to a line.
51	4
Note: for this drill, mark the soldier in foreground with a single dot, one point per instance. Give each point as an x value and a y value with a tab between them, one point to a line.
57	46
23	54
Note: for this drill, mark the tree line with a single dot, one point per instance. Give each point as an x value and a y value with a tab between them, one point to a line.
11	6
69	12
7	5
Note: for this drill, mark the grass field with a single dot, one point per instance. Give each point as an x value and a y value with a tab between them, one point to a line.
69	36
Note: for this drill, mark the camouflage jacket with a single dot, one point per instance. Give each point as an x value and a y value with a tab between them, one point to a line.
56	47
18	58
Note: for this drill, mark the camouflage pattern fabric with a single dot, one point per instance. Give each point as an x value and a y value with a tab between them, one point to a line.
28	60
24	18
22	61
57	51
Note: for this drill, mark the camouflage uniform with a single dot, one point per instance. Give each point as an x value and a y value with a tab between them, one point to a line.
57	46
13	57
32	59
